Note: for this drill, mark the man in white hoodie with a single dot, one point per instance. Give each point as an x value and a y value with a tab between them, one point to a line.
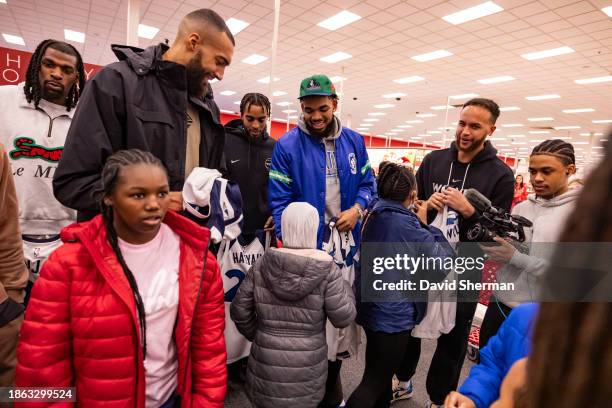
35	117
551	165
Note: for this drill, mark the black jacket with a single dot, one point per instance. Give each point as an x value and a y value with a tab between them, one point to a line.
486	173
248	164
139	102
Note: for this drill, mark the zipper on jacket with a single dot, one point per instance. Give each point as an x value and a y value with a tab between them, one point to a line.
50	120
194	312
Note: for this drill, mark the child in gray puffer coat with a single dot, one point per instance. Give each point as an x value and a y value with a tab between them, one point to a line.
282	306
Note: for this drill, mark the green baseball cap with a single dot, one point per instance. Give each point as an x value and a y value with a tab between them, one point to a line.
317	85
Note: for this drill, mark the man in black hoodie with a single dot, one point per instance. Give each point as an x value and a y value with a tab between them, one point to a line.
248	153
470	162
158	100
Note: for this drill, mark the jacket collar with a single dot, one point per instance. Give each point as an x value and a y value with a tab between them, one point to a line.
236	127
23	102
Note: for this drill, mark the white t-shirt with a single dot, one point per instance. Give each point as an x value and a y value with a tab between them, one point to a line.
155	266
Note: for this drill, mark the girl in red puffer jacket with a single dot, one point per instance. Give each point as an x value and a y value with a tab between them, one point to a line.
130	309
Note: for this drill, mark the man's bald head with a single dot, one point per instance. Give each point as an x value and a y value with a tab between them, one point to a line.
202	21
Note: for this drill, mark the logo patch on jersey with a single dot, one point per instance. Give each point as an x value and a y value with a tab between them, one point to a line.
353	163
28	149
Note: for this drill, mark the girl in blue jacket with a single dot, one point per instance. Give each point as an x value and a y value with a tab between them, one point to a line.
388	321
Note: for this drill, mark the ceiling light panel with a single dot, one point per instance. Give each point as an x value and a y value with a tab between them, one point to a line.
394	95
531	56
75	36
473	13
146	31
266	80
279	93
607	10
384	106
496	80
594	80
542	97
336	57
339	20
583	110
13	39
254	59
430	56
408	80
509	109
227	93
603	121
235	26
543	119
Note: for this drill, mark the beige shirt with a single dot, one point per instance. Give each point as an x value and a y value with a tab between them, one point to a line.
192	156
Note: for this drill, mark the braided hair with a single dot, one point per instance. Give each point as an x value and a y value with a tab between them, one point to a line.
256	99
395	182
561	149
32	87
110	177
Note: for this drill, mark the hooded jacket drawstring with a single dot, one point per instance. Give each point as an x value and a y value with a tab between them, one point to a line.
464	176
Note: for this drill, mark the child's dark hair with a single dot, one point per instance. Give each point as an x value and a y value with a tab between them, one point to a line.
110	176
395	182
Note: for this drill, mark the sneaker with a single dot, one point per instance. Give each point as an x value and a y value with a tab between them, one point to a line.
401	393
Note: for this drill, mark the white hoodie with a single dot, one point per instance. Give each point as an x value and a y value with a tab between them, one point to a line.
548	218
34	140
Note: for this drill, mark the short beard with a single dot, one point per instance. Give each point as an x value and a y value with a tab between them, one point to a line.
474	146
195	76
321	134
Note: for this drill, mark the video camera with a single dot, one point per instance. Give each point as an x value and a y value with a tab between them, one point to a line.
494	222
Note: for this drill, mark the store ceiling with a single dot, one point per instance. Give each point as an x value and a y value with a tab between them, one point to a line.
382	43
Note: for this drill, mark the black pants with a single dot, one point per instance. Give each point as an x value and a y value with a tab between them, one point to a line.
496	314
333	386
384	352
447	361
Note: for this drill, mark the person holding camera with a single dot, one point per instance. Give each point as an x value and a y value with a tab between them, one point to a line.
470	162
551	164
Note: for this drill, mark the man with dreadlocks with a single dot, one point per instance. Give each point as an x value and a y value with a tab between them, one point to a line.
248	152
158	100
35	117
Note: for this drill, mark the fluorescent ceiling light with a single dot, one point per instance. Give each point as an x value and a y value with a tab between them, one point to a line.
384	106
578	110
366	125
394	95
473	13
237	102
408	80
464	96
377	113
542	97
227	93
414	121
430	56
607	10
544	119
495	80
509	109
254	59
594	80
547	53
292	117
516	136
235	26
518	143
13	39
585	134
284	104
266	80
580	143
404	126
75	36
336	57
212	81
434	132
371	120
362	128
425	115
279	93
441	107
289	111
339	20
512	125
538	132
603	121
566	127
337	78
147	32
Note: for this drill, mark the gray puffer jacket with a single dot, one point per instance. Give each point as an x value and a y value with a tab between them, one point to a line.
282	307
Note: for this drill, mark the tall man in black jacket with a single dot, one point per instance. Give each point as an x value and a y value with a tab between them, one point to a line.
248	154
158	100
470	162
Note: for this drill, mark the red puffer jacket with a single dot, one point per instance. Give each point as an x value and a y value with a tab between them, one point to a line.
81	327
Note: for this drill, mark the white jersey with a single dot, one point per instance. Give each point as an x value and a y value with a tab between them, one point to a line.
235	258
36	252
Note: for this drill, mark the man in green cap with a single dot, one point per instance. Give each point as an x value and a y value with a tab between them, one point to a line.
326	165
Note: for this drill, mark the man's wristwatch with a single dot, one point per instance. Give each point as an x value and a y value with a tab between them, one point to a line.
358	207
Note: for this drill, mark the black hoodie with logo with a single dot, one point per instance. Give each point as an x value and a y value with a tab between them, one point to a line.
248	163
485	173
